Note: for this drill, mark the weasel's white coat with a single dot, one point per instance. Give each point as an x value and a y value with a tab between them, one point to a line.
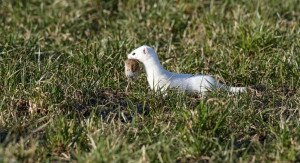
160	79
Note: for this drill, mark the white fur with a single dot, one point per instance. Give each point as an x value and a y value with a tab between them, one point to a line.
160	79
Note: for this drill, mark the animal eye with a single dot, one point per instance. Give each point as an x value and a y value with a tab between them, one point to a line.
133	53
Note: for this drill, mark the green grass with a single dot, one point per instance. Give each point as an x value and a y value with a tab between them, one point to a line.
67	103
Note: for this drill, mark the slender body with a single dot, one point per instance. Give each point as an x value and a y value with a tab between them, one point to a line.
160	79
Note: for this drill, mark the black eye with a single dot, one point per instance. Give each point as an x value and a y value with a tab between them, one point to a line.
133	53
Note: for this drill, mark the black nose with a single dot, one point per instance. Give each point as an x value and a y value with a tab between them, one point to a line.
133	53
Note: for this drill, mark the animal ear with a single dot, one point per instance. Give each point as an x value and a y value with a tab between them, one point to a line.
145	50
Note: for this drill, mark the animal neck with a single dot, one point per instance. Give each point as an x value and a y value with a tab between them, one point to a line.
153	66
155	72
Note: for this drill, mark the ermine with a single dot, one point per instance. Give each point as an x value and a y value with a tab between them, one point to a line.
160	79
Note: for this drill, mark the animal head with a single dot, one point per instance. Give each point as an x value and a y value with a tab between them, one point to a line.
143	54
132	68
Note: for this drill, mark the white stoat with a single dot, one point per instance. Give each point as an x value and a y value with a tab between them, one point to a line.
161	79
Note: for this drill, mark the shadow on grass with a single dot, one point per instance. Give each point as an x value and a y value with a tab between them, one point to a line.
108	104
3	134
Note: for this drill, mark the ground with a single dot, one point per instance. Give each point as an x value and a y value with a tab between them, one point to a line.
62	81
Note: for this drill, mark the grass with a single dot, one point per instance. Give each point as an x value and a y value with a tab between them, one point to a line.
62	82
